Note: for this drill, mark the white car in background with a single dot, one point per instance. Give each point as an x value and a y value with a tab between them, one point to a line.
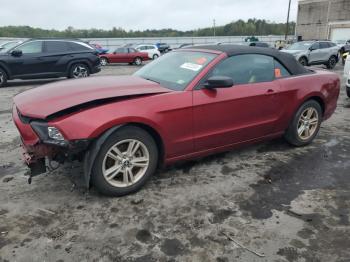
347	75
151	50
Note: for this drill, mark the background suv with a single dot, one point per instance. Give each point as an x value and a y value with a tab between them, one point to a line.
315	53
48	58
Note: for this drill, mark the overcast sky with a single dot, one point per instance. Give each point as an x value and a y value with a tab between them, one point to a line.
139	14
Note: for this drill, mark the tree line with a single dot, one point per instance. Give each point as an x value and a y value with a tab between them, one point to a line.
236	28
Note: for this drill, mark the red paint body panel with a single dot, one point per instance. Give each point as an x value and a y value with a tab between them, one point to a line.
191	123
125	57
51	98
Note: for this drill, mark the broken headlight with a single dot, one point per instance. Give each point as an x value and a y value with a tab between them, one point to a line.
54	133
48	134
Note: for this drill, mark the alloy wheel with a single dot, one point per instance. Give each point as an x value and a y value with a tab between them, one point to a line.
104	61
308	123
80	72
125	163
138	61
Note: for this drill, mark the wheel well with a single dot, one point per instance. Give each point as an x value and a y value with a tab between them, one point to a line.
320	101
157	138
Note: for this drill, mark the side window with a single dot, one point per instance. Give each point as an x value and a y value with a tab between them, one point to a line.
150	47
280	70
132	50
142	48
122	50
56	46
244	69
34	47
315	46
323	45
75	46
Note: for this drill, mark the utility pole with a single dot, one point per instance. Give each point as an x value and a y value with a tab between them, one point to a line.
287	26
214	26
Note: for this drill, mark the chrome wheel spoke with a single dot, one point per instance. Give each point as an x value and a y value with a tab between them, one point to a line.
125	177
130	175
313	121
113	171
140	162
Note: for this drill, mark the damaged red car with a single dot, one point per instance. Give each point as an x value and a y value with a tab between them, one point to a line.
187	104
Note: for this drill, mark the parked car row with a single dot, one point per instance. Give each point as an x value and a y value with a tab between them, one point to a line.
47	58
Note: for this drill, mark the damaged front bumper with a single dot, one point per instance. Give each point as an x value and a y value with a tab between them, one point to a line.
39	146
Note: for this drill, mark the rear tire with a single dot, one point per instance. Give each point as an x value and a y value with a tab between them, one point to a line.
117	171
79	70
155	56
305	124
138	61
3	78
332	61
303	61
348	91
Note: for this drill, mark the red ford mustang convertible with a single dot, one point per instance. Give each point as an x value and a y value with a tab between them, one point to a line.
187	104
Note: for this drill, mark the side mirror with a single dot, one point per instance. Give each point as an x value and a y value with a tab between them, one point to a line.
219	82
16	53
114	53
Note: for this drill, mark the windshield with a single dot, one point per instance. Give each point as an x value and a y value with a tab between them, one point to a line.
300	46
7	46
176	70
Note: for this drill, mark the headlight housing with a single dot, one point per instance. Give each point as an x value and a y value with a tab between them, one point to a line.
54	133
48	134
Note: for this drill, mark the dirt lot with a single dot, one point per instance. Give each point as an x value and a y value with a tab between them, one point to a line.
283	203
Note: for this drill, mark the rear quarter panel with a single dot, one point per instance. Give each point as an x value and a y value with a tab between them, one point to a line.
295	91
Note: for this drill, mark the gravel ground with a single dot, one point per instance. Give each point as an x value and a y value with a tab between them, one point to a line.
268	202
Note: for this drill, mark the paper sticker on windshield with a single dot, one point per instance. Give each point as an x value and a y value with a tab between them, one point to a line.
191	66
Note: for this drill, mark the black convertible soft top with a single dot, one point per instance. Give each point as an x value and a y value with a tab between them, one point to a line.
293	66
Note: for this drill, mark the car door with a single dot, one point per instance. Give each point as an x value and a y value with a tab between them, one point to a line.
56	55
315	53
245	111
325	51
29	62
120	55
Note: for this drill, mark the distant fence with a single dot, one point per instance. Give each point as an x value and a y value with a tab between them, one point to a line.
174	42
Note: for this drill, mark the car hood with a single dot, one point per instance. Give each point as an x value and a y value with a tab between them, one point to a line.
292	52
49	99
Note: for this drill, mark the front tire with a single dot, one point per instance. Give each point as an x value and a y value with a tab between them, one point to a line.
303	61
155	56
126	160
3	78
305	124
79	70
348	91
